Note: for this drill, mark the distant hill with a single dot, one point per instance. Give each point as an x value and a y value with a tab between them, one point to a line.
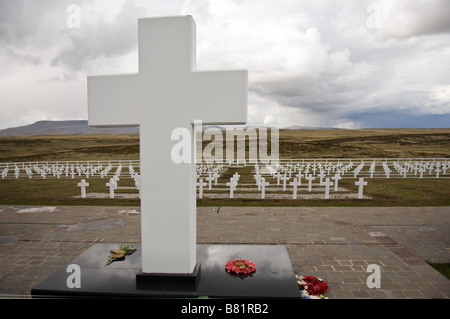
63	128
296	127
81	127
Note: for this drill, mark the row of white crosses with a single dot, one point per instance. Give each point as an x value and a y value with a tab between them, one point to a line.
405	169
284	173
211	170
16	172
290	169
314	168
311	171
213	174
55	170
419	168
112	184
297	181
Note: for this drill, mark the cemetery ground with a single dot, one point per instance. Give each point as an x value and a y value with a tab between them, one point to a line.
400	224
332	143
306	144
380	192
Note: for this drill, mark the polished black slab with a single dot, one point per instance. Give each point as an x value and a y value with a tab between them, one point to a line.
274	277
190	278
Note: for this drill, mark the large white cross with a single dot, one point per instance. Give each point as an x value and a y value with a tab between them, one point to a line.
166	94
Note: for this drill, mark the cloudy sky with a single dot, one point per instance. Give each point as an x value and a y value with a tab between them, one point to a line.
333	63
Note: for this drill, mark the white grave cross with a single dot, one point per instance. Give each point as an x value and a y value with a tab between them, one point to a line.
210	178
112	186
327	185
263	184
310	178
200	185
167	95
83	186
284	178
232	183
361	183
336	179
295	183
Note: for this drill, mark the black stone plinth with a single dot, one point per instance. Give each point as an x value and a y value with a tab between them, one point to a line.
191	278
274	277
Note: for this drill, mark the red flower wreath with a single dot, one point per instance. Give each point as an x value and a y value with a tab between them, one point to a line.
240	266
313	285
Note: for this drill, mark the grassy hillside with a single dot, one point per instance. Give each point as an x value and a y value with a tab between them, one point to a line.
336	143
69	147
365	143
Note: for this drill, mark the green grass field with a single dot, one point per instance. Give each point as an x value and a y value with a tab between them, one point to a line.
333	143
374	143
383	192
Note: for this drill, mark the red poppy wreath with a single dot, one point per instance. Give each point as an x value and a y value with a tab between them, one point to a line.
240	266
312	285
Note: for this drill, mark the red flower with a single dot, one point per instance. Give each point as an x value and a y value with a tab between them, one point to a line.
314	286
240	266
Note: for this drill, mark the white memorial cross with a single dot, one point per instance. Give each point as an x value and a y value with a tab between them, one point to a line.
263	184
299	178
200	185
4	172
327	185
437	171
258	178
112	186
284	178
166	95
83	186
372	169
361	183
295	183
310	178
232	183
336	179
278	178
29	172
210	178
137	183
321	175
216	175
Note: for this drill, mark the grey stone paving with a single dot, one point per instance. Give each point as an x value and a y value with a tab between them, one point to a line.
336	243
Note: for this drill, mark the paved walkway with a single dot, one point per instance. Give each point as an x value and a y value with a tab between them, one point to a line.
335	244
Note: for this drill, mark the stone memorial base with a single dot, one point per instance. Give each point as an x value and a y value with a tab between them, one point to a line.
274	277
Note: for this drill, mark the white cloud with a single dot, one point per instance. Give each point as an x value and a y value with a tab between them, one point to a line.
44	63
440	96
320	63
